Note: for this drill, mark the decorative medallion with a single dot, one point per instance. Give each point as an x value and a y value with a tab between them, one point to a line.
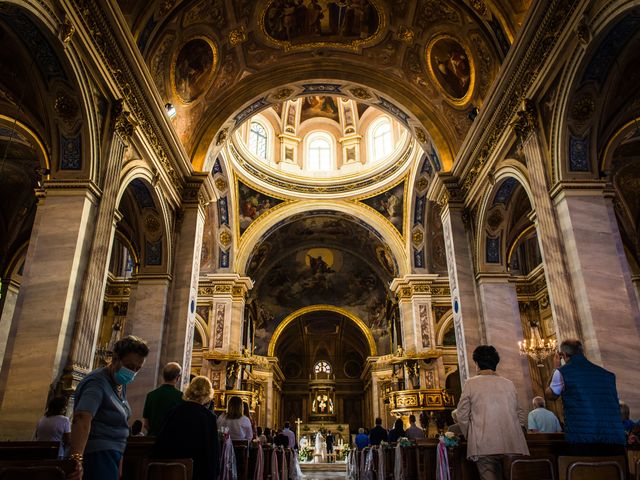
193	68
238	36
451	66
323	23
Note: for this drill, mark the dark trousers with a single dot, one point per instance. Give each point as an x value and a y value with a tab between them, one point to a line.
593	450
102	465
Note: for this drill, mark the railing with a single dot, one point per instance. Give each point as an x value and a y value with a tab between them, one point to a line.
404	401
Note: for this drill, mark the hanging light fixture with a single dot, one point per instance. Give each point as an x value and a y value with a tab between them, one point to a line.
537	349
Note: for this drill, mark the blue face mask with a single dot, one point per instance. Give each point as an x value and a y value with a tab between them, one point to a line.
124	376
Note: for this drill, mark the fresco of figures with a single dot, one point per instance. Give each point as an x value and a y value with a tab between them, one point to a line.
252	204
451	66
390	205
194	65
302	21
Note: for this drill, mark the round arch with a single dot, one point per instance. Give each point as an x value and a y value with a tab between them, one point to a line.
320	308
345	78
600	23
262	226
141	172
509	169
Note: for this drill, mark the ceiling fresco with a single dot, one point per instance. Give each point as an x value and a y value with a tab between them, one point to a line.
444	54
252	204
390	205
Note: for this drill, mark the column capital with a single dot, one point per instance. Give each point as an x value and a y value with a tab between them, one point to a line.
224	285
580	189
448	190
68	188
488	277
151	278
198	191
524	124
413	285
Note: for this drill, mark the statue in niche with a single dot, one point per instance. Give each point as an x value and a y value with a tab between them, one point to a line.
233	369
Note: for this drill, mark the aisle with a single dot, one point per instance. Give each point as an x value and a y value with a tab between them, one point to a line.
324	471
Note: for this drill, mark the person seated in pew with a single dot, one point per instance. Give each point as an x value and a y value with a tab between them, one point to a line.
190	430
101	412
397	432
239	425
378	434
55	426
362	439
541	420
136	429
281	440
414	432
489	416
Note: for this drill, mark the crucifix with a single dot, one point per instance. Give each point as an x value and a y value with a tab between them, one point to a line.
298	423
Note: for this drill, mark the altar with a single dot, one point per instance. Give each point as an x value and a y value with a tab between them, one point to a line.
308	441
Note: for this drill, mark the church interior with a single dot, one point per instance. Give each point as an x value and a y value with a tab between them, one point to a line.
323	207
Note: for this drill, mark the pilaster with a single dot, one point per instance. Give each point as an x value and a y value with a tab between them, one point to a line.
90	306
414	301
466	313
10	290
601	281
145	319
549	239
503	327
227	293
186	273
46	307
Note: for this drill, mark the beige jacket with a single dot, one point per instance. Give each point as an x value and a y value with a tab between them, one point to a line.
488	416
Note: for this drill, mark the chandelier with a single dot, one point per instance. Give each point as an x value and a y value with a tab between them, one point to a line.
537	349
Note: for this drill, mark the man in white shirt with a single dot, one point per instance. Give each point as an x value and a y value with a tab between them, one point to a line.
542	420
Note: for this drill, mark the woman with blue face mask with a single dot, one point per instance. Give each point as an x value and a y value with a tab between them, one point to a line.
101	412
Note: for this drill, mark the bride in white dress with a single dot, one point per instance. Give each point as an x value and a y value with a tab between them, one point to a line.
320	452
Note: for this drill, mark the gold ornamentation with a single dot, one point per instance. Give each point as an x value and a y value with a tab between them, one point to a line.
525	121
583	108
417	237
421	135
238	36
152	224
67	29
457	101
360	93
123	123
222	289
479	6
225	238
283	94
66	108
221	184
405	34
222	137
422	183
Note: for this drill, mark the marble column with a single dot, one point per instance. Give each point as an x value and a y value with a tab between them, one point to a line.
636	283
466	313
89	313
145	319
10	290
503	328
46	307
414	302
228	294
186	272
602	284
550	241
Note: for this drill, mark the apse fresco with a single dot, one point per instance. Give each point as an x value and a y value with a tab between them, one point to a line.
320	275
321	257
310	21
193	67
450	64
252	204
390	205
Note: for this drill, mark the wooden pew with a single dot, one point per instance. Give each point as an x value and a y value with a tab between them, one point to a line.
36	469
29	450
241	450
138	450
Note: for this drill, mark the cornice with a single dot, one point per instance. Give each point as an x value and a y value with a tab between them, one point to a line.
520	71
104	30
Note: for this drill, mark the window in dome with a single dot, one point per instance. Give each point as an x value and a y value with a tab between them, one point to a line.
382	142
320	154
322	367
258	140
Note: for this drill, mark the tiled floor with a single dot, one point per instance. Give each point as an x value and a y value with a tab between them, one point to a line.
324	476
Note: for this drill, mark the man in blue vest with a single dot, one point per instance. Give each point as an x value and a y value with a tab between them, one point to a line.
590	402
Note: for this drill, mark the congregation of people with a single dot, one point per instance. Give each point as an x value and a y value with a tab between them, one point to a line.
487	416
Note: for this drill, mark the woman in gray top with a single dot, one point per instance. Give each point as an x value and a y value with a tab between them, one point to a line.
100	427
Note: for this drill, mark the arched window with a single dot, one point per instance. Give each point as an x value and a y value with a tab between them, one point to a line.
322	367
258	140
319	154
381	139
